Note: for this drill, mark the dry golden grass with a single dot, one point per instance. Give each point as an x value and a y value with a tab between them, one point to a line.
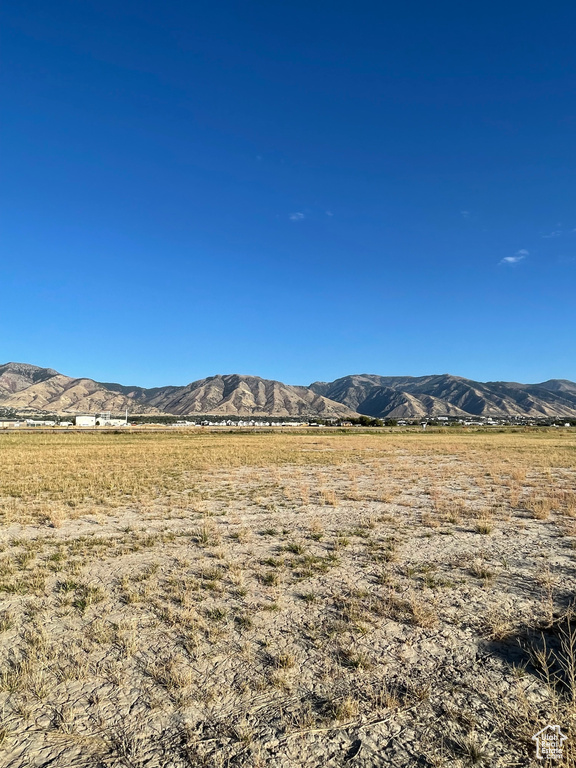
223	599
52	477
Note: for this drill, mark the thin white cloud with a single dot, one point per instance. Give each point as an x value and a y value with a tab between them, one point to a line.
465	214
329	213
298	216
518	256
556	233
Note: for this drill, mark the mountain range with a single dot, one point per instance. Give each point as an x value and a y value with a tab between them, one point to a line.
28	388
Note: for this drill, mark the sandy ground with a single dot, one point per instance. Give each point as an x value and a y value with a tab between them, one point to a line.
385	611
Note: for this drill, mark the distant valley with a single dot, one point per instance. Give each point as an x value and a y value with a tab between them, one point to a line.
31	389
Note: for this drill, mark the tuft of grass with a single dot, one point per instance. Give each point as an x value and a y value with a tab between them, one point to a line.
269	532
211	574
345	709
480	570
6	621
243	621
473	749
353	659
540	508
328	497
216	614
284	661
484	527
270	579
294	548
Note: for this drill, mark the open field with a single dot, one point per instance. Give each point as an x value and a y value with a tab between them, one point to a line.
177	599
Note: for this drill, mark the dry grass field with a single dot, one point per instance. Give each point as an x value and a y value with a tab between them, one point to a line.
191	599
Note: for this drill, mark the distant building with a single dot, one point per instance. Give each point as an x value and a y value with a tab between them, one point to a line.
102	420
85	421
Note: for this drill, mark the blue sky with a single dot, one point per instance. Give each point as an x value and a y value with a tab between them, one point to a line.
294	190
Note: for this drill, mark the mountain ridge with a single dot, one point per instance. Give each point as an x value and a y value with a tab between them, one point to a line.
449	395
26	387
32	388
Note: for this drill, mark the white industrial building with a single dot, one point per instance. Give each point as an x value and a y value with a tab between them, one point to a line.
85	421
103	420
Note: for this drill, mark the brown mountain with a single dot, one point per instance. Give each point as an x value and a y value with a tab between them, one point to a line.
26	387
450	395
367	394
30	388
15	377
242	395
558	385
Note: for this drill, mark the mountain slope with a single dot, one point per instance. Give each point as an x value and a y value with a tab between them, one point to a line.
450	395
63	394
562	387
234	394
14	377
351	391
385	397
28	387
24	387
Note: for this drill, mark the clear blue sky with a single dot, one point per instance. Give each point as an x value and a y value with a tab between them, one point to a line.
294	190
